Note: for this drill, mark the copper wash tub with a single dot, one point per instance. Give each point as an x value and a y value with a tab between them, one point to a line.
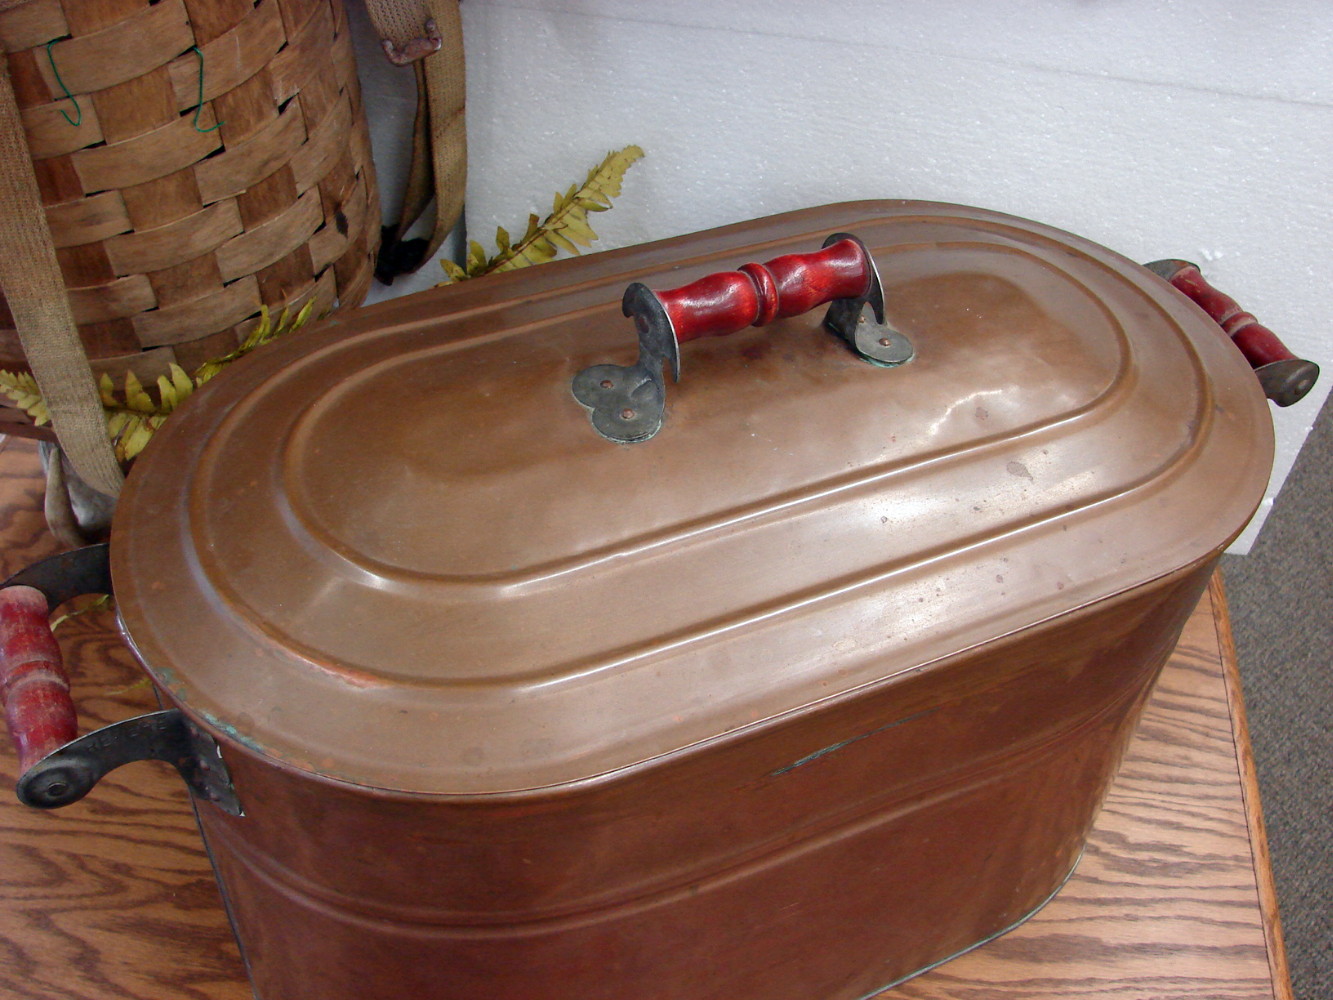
504	665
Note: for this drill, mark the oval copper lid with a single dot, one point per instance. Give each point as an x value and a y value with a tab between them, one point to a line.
393	551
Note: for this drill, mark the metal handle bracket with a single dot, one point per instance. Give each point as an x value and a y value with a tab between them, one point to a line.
69	773
428	43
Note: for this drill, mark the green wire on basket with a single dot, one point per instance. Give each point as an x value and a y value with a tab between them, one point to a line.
74	100
199	104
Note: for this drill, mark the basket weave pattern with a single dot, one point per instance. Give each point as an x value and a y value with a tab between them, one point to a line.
170	237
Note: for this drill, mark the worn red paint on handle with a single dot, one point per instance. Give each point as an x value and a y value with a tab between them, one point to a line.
1259	344
33	683
756	294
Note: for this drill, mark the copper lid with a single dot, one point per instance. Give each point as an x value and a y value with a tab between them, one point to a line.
393	551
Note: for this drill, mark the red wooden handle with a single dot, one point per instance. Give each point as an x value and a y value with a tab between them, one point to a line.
1259	344
756	294
1285	378
33	683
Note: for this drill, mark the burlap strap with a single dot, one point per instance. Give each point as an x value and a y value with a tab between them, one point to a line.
30	277
439	139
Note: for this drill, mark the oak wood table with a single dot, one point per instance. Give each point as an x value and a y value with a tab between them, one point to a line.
113	898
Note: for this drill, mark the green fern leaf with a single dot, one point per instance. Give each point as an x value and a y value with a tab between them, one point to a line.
107	390
166	392
560	240
117	422
135	397
538	251
182	382
263	332
132	414
135	439
207	370
578	230
302	317
257	336
102	601
566	228
21	388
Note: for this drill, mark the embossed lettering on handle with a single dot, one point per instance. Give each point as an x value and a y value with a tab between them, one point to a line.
627	403
1285	378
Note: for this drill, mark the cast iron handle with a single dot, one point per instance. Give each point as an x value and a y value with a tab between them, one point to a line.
628	402
57	766
1285	378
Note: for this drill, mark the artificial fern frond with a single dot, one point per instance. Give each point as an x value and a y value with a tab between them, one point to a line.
21	388
132	414
102	601
264	331
566	228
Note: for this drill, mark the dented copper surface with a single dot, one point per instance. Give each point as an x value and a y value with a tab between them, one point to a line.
391	552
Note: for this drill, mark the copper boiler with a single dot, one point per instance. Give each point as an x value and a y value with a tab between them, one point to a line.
504	664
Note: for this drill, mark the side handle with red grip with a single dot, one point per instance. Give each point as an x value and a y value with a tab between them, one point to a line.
56	765
1285	378
33	684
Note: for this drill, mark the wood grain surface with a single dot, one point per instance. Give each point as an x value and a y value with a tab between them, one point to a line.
113	898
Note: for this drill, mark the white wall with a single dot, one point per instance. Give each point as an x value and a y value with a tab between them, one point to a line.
1161	129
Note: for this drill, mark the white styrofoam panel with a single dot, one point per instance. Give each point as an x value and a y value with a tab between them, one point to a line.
1233	46
1157	129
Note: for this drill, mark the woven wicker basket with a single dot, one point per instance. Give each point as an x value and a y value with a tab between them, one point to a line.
171	235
